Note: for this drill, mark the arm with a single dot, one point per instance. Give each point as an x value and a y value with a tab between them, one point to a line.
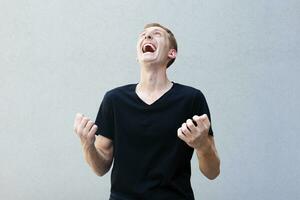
198	138
97	150
99	156
209	162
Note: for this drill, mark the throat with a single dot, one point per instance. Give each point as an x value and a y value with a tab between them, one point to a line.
151	97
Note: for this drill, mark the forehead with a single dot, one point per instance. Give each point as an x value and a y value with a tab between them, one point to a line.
152	28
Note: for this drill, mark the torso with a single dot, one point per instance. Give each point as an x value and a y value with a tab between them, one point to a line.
150	161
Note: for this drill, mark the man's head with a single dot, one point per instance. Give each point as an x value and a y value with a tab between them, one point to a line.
156	44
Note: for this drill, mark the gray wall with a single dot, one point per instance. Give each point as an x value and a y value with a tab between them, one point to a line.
59	57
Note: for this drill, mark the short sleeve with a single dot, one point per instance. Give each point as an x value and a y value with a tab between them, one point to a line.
200	107
105	118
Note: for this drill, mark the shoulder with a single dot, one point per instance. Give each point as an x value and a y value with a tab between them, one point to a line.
119	90
189	90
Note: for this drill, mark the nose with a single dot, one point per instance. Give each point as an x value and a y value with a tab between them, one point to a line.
148	36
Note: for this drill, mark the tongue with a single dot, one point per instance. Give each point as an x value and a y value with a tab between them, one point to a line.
148	48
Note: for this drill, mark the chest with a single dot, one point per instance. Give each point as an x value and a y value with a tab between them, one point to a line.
144	126
149	99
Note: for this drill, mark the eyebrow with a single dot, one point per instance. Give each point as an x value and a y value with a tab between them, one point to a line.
152	30
157	30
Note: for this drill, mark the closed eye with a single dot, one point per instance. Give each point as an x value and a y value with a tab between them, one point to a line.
157	33
142	34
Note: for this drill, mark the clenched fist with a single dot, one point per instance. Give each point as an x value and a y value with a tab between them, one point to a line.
85	129
195	135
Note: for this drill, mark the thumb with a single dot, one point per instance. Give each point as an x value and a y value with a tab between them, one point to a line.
78	118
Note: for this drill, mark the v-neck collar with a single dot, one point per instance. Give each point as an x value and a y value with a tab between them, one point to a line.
157	100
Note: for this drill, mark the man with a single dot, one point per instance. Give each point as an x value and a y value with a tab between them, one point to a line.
150	129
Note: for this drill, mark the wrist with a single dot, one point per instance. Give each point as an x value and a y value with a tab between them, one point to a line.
206	148
88	147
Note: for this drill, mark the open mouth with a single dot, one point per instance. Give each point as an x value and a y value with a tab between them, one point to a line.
148	47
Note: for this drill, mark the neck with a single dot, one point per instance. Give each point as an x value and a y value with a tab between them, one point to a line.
153	78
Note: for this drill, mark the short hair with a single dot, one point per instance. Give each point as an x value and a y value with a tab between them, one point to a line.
172	40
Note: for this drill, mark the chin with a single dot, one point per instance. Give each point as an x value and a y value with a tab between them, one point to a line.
148	58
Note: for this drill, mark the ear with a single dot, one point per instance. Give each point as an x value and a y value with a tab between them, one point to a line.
172	54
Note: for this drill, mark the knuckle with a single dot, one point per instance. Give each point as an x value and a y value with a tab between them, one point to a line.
196	117
207	128
189	123
208	123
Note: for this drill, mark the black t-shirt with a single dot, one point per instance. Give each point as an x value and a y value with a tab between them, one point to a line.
150	160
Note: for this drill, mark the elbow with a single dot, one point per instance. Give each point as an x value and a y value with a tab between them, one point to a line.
214	175
215	172
211	174
100	173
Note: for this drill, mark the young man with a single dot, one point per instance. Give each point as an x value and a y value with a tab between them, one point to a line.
150	129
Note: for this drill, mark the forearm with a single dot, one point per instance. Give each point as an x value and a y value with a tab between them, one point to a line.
96	160
209	162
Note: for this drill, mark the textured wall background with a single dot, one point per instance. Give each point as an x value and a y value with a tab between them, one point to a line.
59	57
